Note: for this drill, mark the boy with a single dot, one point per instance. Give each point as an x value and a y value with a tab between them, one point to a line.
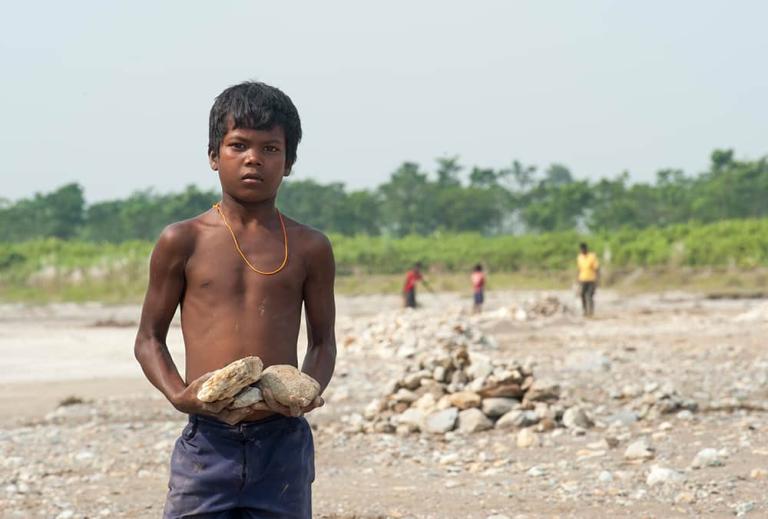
589	272
412	277
241	272
478	288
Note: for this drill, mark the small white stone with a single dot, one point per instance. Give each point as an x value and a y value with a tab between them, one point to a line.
605	477
707	458
665	476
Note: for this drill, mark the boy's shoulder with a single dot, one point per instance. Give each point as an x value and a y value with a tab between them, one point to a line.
180	237
309	240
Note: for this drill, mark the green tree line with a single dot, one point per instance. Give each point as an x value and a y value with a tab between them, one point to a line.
451	199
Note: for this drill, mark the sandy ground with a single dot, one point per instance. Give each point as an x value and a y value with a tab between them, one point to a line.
108	456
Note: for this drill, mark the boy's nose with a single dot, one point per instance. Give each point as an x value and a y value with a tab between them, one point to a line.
253	158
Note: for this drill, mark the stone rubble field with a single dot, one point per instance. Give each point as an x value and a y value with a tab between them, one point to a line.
658	408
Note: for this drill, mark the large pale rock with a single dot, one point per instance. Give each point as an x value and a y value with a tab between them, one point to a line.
231	379
517	418
473	420
707	458
495	407
480	366
575	417
465	399
246	397
443	421
290	386
412	417
639	450
664	476
527	438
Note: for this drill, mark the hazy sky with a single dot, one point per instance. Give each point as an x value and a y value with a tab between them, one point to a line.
115	95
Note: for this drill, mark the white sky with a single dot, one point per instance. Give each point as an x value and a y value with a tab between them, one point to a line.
115	95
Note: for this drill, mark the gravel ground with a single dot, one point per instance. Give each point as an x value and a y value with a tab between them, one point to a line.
107	456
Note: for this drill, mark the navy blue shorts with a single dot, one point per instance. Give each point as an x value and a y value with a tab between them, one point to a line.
253	469
479	297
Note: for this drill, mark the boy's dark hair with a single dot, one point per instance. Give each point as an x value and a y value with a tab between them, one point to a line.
255	106
478	268
583	246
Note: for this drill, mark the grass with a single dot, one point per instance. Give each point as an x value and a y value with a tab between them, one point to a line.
720	282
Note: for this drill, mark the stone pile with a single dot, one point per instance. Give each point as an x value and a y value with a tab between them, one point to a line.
449	389
530	310
654	400
405	334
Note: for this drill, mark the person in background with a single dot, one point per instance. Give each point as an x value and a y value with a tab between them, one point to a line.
588	276
478	288
412	278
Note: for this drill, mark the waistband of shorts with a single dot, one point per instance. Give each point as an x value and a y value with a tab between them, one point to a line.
243	430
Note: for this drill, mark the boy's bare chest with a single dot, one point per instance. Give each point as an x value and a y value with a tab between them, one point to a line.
218	272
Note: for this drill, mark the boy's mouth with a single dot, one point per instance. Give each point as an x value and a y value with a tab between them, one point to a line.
251	178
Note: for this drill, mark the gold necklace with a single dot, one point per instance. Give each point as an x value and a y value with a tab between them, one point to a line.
217	206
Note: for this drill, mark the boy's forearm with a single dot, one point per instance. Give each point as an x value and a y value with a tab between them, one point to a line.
320	361
158	367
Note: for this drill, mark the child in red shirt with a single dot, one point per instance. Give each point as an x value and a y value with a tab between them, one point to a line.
478	288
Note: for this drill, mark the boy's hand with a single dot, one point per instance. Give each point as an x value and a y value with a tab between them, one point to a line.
187	401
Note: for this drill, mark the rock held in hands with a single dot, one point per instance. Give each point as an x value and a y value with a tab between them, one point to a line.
231	379
289	386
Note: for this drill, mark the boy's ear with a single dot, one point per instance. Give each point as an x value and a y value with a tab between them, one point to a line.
213	160
288	169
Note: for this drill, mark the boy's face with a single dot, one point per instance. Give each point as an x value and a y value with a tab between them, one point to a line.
251	163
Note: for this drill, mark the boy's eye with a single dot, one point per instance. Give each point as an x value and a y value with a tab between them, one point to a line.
237	145
271	149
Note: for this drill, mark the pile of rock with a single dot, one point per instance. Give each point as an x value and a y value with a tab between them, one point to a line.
531	310
653	400
449	389
405	334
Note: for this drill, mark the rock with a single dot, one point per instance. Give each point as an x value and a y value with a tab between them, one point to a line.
707	458
405	395
758	474
663	476
413	380
536	471
639	450
480	366
413	417
685	498
465	399
517	418
509	390
623	417
575	417
425	403
527	438
495	407
229	380
744	508
443	421
605	477
289	386
473	420
246	397
542	391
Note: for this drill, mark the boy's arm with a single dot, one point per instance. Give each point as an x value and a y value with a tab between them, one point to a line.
320	312
166	286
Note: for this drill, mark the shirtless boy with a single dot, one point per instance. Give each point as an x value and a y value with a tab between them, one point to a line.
241	272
